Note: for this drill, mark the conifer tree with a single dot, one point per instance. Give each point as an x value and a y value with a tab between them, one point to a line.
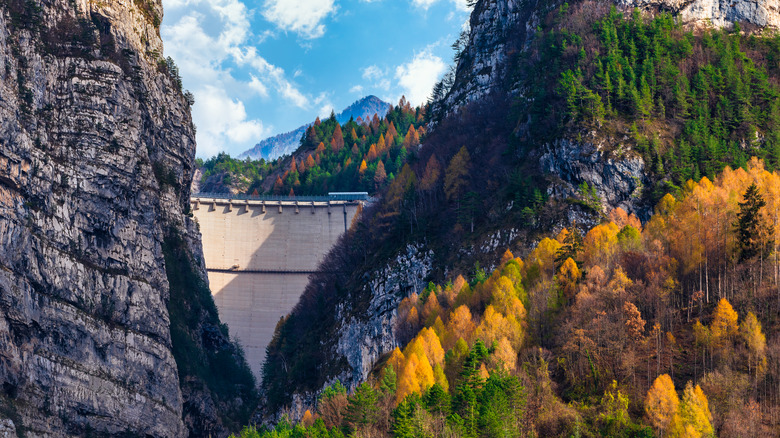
754	234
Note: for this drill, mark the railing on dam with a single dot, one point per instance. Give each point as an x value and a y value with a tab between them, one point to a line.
334	196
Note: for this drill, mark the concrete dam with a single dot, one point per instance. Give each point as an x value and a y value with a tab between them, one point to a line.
259	253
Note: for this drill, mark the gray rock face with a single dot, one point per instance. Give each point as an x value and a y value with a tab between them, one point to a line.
497	28
618	180
363	341
7	429
717	12
96	153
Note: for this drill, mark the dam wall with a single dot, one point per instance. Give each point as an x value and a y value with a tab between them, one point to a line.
259	255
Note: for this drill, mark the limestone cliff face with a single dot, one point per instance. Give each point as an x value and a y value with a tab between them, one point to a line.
717	12
96	157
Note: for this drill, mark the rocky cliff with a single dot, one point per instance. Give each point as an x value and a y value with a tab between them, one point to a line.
96	157
764	13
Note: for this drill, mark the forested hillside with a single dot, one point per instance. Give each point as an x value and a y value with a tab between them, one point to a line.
594	334
688	103
605	324
360	155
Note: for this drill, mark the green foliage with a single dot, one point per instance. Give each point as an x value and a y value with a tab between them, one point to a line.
333	390
713	96
754	236
329	158
362	407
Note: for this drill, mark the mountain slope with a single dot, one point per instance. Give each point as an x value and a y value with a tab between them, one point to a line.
285	144
515	154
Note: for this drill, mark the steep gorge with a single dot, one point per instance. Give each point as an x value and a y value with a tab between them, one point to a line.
415	235
106	323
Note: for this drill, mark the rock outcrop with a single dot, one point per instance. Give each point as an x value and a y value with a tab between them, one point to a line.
96	157
617	180
764	13
363	340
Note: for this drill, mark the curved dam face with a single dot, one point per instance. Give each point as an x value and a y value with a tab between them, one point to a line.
259	254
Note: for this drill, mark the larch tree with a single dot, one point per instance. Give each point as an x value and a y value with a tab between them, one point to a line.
460	326
456	178
431	174
380	176
372	153
724	323
278	185
755	341
568	276
662	405
338	139
695	414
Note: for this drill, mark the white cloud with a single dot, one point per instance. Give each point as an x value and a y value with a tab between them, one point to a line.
207	38
425	4
222	121
358	89
256	85
461	5
418	76
303	17
372	73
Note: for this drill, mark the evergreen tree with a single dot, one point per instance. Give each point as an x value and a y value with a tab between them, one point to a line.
753	232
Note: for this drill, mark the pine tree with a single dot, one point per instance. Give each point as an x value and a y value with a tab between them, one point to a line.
362	408
754	234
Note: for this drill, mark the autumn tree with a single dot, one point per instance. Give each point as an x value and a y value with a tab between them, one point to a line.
431	175
456	177
337	142
372	153
724	323
380	175
332	404
568	276
755	341
662	405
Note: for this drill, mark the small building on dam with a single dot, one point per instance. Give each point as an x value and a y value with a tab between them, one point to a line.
259	253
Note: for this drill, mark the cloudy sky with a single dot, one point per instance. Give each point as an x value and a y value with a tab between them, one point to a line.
262	67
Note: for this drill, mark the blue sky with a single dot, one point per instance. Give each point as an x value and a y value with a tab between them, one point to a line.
262	67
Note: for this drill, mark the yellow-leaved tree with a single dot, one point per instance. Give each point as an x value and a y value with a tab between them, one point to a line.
755	340
724	324
695	414
662	405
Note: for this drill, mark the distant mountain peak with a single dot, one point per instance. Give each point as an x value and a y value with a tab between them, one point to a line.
286	143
